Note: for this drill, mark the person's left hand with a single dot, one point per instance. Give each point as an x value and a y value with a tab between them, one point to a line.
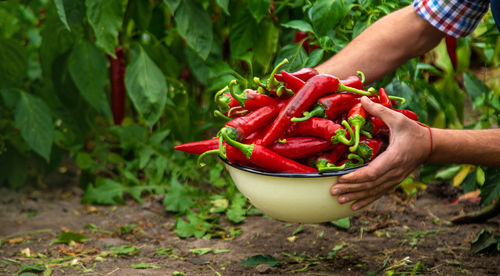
408	148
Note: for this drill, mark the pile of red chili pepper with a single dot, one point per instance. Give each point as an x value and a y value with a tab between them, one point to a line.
300	122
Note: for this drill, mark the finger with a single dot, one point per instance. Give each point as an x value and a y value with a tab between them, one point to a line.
383	113
349	192
375	169
364	202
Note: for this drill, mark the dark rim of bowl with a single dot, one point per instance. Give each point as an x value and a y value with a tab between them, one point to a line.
293	175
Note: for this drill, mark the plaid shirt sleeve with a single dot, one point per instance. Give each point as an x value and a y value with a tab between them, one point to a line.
453	17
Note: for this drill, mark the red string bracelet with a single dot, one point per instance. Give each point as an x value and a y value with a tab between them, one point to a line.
430	140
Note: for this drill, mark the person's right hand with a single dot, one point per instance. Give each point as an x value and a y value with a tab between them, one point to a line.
409	147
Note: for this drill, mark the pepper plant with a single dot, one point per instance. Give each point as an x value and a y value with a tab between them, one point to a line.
114	85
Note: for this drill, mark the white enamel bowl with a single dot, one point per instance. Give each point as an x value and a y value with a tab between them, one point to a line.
290	197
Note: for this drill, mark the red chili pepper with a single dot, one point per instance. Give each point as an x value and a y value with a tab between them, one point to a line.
315	88
199	147
370	148
355	81
377	127
272	82
327	160
384	98
241	127
331	106
118	90
451	48
357	119
292	82
300	147
266	158
249	100
408	113
304	74
322	128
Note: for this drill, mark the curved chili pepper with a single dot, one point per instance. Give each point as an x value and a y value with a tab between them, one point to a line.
304	74
118	90
357	119
353	81
315	88
199	147
451	48
249	100
331	106
408	113
241	127
300	147
370	148
384	98
322	128
292	82
266	158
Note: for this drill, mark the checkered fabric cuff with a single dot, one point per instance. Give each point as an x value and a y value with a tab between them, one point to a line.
453	17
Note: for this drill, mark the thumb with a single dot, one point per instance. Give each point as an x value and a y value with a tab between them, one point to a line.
383	113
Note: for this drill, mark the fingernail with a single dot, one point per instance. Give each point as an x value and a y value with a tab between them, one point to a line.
335	191
354	207
342	199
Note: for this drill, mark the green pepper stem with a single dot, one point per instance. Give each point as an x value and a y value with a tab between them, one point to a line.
217	113
357	122
198	161
259	83
222	148
361	75
280	90
272	82
317	111
366	133
401	99
223	105
246	149
353	156
240	99
353	90
330	167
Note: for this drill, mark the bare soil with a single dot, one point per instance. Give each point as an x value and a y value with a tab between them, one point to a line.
395	235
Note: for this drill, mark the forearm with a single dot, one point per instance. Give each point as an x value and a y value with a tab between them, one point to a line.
384	46
479	147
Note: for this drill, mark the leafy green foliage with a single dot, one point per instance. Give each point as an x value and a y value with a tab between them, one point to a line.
68	237
485	241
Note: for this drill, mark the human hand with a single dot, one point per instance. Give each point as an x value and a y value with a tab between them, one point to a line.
408	148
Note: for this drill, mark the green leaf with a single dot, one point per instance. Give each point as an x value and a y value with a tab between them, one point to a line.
87	67
106	191
178	198
84	160
13	63
106	18
172	5
200	251
146	87
266	48
259	8
475	88
261	259
35	123
484	241
129	135
325	15
194	25
449	172
469	183
300	25
242	34
315	58
195	227
70	12
297	57
343	223
491	187
67	237
144	266
224	5
236	212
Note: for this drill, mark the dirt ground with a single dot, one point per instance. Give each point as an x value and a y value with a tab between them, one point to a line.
392	236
